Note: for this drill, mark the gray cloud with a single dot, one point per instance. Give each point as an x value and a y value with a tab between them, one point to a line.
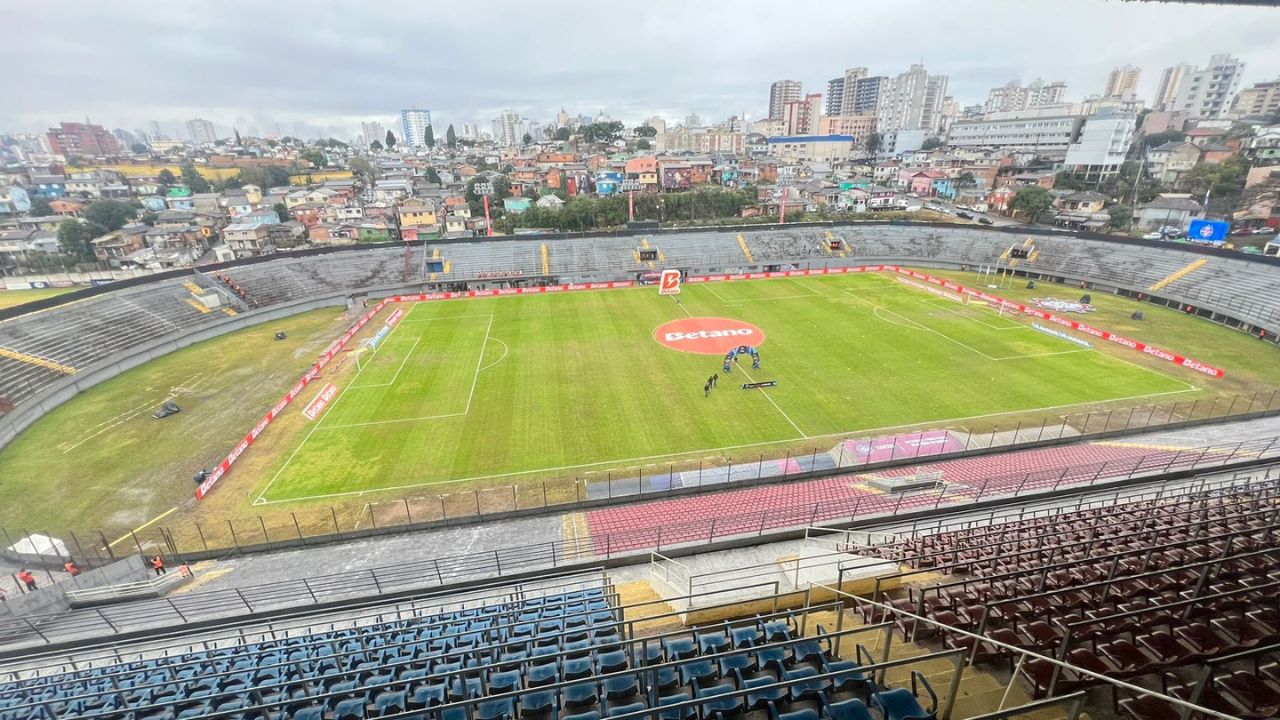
321	67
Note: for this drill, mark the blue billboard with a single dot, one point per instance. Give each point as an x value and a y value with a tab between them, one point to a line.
1208	231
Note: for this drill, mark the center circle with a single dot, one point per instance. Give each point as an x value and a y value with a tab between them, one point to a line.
707	335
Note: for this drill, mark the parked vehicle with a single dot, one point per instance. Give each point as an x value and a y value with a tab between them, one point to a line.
964	216
1152	236
985	221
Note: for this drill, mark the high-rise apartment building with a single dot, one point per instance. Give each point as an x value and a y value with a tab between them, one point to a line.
1013	96
1170	82
81	139
781	93
413	127
1207	92
911	101
507	129
201	131
1122	83
801	116
1258	100
373	131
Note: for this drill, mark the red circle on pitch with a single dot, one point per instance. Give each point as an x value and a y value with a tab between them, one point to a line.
707	335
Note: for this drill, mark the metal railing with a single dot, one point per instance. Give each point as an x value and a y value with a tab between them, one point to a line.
280	529
34	630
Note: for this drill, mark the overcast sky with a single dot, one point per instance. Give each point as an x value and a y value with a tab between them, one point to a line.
321	66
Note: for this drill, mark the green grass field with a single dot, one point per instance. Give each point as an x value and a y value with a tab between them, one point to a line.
10	298
487	391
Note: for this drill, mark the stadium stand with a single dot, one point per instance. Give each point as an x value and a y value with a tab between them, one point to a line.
36	350
560	648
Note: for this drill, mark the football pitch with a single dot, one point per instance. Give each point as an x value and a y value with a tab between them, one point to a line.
495	390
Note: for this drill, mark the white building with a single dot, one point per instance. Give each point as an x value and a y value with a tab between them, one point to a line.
413	127
507	129
373	131
812	148
201	131
911	101
1102	144
1047	132
1170	82
1012	96
1207	92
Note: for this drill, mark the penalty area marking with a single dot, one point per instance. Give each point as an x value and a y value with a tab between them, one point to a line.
689	453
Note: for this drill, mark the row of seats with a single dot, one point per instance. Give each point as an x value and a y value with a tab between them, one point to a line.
1128	591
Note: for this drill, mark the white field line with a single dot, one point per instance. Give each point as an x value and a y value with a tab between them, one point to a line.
128	415
397	375
862	431
148	523
505	351
261	499
712	290
980	321
784	414
681	306
466	411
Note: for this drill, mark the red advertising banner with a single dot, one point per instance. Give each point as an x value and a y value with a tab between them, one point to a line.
341	342
1073	324
394	317
225	466
320	401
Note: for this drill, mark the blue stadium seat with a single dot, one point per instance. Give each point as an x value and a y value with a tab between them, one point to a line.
851	709
614	711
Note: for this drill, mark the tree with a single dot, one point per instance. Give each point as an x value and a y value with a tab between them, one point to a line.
1223	183
40	208
139	148
74	237
1121	216
450	137
643	144
376	145
646	131
932	143
315	157
873	142
166	177
360	167
526	138
966	179
1031	201
432	176
265	177
282	211
193	179
108	215
390	141
562	134
149	218
429	137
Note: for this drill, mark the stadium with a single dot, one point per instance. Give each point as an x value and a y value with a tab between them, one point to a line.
816	470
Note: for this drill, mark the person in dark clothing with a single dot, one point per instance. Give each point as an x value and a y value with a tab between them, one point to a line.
715	379
706	389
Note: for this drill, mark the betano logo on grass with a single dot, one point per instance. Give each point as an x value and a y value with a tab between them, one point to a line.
707	336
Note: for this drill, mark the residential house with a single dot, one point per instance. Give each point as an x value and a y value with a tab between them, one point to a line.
341	213
83	185
175	239
1202	136
48	186
456	225
999	198
417	213
1081	210
236	204
248	239
675	175
1169	210
65	207
550	202
307	213
114	247
881	196
1168	162
1217	152
332	234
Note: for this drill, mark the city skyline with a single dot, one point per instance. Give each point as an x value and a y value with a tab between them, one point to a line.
219	69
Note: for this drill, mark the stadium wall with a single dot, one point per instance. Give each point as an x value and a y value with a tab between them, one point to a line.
62	390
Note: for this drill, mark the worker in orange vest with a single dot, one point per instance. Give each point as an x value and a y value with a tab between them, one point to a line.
26	578
157	564
71	568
